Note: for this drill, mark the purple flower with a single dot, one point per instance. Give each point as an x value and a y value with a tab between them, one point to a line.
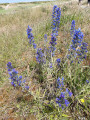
87	81
60	83
77	39
24	81
70	93
20	77
50	65
61	101
27	87
9	66
52	47
31	37
53	40
58	61
66	102
34	45
40	56
55	19
19	82
82	51
16	80
72	30
78	48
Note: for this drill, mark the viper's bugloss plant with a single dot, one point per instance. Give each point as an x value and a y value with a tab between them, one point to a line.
16	80
50	65
61	101
60	83
31	37
78	48
55	19
40	56
87	81
81	52
69	93
72	30
52	47
55	26
52	88
77	39
58	62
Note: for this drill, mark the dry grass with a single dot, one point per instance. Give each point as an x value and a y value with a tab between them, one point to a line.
13	30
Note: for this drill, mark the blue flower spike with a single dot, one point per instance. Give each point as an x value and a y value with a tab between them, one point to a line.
16	80
72	30
31	37
61	101
40	56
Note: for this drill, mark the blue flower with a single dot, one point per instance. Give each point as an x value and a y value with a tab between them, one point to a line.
31	37
40	56
66	102
24	81
60	83
72	30
16	80
20	77
50	65
53	40
82	51
29	30
58	61
61	101
77	39
52	47
34	45
55	26
78	48
55	19
9	66
87	81
70	93
27	87
12	83
19	82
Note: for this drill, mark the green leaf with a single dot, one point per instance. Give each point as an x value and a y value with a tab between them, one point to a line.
18	106
64	115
